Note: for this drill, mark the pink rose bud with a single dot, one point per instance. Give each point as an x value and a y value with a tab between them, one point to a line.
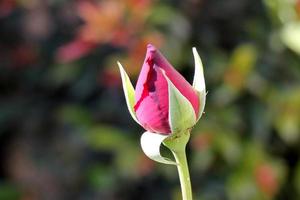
152	94
163	101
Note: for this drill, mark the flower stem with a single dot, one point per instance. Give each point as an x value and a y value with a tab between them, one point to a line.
177	145
184	176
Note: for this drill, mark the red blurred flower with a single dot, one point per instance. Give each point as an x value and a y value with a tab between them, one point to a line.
6	7
115	22
74	50
266	179
298	8
103	21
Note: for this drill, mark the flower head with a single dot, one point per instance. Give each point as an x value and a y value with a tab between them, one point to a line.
163	102
152	95
161	93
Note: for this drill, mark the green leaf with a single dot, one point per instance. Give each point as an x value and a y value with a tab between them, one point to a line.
107	137
181	112
151	143
8	191
290	35
199	81
128	91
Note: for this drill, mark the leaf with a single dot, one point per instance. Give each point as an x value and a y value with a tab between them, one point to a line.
107	137
199	81
128	91
181	112
151	143
290	35
8	191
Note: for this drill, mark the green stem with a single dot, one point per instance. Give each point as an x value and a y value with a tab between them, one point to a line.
184	175
177	145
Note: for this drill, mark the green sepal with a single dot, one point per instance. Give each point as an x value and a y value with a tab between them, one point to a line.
199	82
177	143
151	143
181	112
128	91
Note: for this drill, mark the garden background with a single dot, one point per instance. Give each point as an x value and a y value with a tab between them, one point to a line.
66	133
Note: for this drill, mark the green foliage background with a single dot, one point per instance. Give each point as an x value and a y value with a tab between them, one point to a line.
65	131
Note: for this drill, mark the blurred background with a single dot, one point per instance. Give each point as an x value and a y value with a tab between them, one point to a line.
66	133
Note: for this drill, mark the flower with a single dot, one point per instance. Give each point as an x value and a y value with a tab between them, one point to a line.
267	179
163	101
167	106
152	95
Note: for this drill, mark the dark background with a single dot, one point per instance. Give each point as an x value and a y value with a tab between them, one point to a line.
66	133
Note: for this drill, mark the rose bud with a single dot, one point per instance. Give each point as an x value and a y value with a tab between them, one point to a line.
152	102
152	95
163	102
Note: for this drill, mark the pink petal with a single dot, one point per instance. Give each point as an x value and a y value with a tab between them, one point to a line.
153	107
177	79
